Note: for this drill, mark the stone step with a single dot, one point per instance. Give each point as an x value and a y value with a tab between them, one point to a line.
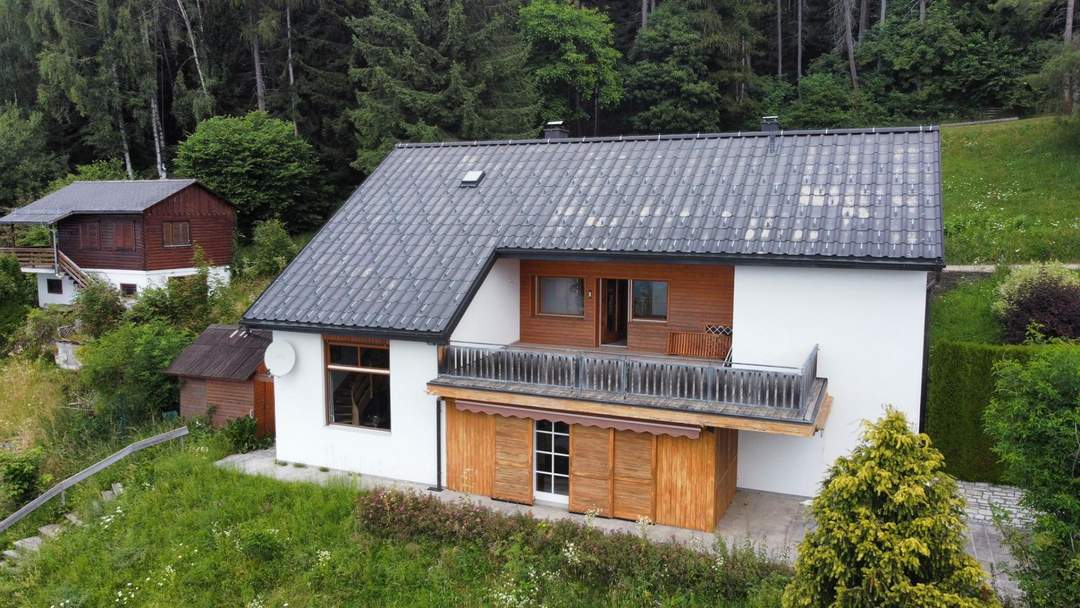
12	555
25	545
74	519
117	488
51	530
107	495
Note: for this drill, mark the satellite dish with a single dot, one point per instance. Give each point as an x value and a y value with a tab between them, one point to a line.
280	357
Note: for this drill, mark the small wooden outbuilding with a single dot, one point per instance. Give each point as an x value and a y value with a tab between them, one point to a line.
223	370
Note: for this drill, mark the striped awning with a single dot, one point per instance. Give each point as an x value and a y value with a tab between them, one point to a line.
604	422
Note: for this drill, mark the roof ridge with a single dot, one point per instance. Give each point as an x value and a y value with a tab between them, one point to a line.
133	181
674	136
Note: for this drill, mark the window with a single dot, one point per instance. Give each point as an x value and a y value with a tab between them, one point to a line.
176	234
552	460
90	236
650	300
128	289
358	376
123	235
561	296
54	285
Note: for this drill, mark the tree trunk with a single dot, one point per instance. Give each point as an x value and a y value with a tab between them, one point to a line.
849	42
864	19
256	57
127	148
884	9
293	101
798	37
194	47
779	40
922	11
1070	10
155	110
644	13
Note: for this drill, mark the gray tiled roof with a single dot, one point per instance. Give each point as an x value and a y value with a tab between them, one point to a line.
121	196
410	246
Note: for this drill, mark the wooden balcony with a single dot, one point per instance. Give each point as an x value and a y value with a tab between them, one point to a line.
654	386
32	258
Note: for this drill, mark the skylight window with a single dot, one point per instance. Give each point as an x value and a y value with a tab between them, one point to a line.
472	179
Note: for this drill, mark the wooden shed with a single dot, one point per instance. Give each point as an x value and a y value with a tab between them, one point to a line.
223	370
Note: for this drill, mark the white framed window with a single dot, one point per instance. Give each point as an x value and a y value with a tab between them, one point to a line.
649	300
552	461
560	296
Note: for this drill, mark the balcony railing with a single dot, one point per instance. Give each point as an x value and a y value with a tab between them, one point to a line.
32	257
637	375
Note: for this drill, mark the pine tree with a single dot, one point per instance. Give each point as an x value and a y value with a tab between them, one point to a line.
889	530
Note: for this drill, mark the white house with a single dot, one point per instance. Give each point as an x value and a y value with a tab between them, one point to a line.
635	325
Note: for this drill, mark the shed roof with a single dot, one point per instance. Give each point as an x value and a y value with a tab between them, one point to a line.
97	197
406	252
222	352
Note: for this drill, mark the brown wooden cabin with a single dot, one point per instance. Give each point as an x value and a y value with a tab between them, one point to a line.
223	371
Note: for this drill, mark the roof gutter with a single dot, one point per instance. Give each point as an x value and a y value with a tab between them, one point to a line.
430	337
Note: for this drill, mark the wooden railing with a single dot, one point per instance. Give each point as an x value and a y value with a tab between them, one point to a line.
31	257
637	375
62	487
70	268
698	344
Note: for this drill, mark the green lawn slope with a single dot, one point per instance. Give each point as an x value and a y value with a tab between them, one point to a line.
1011	192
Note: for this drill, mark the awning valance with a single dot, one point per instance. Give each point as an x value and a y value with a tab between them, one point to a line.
604	422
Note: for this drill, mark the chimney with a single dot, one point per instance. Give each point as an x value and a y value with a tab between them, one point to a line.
770	124
554	129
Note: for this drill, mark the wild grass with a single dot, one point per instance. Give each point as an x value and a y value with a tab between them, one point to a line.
963	314
1011	192
32	392
187	533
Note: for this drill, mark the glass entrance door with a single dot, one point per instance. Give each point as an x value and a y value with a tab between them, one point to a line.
552	460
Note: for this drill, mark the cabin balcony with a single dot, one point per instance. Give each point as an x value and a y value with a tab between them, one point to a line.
32	259
770	398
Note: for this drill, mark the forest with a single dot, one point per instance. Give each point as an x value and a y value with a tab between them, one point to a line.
127	81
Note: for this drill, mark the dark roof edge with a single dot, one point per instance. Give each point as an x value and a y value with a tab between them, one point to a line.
342	330
748	259
673	136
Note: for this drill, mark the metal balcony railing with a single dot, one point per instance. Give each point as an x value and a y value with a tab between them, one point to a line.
637	375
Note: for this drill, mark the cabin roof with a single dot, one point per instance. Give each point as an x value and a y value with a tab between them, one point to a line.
406	252
222	352
97	197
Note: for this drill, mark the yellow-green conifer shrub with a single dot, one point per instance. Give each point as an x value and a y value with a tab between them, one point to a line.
889	530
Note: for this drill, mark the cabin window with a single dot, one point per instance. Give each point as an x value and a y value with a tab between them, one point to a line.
90	236
128	289
123	236
176	234
55	286
650	300
562	296
358	378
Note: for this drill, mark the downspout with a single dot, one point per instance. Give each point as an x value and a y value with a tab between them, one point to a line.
932	280
438	487
55	257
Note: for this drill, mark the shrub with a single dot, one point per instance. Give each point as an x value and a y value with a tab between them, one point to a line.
242	436
890	530
258	163
98	170
183	301
17	293
1035	420
19	476
99	307
956	399
272	249
124	367
1044	294
599	559
34	338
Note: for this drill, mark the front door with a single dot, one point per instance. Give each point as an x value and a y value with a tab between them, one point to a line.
552	458
614	309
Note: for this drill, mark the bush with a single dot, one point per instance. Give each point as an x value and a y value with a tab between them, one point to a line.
1035	420
99	307
890	530
242	436
1044	294
19	476
124	367
17	294
599	559
272	249
958	394
98	170
34	338
183	301
261	165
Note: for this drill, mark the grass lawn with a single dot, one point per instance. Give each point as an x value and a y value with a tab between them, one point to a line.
186	533
963	313
1011	193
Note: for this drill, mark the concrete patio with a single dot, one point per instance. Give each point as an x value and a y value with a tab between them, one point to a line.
772	523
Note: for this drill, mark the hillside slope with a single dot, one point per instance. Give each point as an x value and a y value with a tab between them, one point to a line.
1011	192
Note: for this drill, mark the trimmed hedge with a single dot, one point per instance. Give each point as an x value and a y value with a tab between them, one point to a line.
961	386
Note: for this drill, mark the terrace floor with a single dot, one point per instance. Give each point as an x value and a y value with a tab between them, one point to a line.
773	523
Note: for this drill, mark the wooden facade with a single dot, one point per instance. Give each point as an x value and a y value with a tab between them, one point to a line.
136	241
698	295
677	481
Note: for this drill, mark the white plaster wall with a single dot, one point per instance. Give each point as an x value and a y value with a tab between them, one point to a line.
406	452
493	316
156	278
869	328
45	298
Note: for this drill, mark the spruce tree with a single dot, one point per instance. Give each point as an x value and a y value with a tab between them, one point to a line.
890	532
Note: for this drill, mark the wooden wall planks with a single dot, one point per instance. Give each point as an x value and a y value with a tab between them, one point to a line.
212	227
634	475
105	254
470	451
685	481
727	468
697	294
590	469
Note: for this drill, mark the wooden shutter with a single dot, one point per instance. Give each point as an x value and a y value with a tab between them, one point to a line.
727	465
124	236
590	469
513	460
470	451
90	236
633	476
686	481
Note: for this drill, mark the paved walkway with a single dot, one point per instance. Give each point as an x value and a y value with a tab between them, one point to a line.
773	523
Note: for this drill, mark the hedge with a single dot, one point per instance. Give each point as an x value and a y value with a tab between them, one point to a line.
960	387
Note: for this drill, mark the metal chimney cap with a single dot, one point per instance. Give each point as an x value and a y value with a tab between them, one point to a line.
770	124
555	129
